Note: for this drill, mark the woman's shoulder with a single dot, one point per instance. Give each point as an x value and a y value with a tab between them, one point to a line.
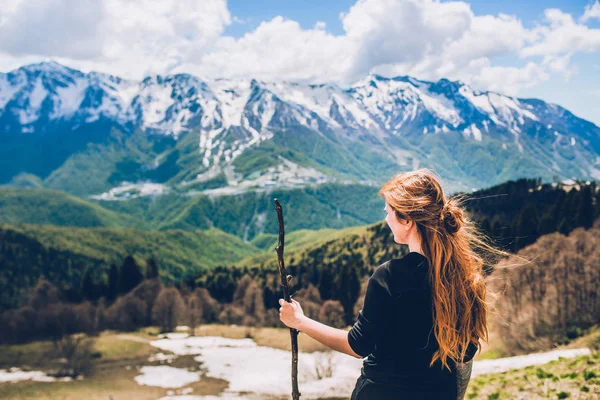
396	267
409	260
409	271
382	273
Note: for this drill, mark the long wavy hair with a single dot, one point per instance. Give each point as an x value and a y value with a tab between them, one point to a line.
457	252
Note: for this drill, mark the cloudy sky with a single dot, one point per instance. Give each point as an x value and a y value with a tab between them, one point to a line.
549	50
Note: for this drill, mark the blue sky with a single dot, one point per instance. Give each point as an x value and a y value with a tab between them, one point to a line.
308	12
548	50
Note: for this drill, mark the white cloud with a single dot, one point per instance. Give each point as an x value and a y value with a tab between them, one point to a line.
128	38
239	20
279	49
507	80
51	28
391	32
561	35
423	38
165	33
428	39
591	11
320	25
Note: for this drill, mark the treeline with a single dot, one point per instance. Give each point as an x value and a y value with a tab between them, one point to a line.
554	298
132	299
328	275
63	255
517	213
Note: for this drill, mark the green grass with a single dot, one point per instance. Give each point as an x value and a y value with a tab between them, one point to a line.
559	379
50	207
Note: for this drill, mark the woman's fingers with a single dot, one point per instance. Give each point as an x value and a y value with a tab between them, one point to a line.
283	303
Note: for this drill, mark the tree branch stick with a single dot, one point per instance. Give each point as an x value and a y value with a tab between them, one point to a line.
286	295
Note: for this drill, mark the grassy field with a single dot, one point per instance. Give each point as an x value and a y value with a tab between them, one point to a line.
120	355
577	378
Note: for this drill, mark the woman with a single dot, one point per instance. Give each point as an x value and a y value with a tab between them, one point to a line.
423	314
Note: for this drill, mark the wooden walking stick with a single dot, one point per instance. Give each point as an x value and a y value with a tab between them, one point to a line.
285	278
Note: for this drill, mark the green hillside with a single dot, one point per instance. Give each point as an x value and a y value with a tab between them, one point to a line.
245	215
298	243
50	207
250	214
62	254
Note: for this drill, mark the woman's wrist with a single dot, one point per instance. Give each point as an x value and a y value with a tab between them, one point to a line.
302	323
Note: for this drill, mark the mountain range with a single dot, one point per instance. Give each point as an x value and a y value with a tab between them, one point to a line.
108	138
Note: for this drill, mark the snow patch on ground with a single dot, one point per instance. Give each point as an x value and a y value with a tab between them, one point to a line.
479	100
286	174
161	357
222	397
252	368
476	132
166	377
132	190
16	375
259	372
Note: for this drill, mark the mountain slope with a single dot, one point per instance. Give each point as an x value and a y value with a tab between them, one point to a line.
98	134
244	215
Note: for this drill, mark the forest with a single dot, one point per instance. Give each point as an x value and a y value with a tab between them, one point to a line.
548	223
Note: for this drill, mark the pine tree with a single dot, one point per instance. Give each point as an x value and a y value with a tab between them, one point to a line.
152	270
326	282
349	289
89	290
43	295
526	228
130	275
585	211
113	283
548	222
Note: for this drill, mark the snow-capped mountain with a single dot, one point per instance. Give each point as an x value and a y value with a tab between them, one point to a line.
89	133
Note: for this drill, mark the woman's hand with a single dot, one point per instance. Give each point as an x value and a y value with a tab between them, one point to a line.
290	314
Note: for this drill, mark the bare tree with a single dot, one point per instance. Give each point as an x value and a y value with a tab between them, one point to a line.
168	309
232	314
127	313
332	313
148	291
193	312
76	351
210	306
310	298
249	297
554	298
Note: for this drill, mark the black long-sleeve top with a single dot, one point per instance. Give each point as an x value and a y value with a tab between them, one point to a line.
394	331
